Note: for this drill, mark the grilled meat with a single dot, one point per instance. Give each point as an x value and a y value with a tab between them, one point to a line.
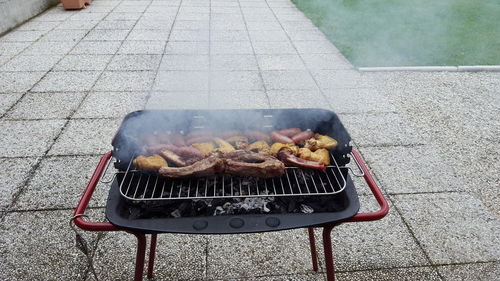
321	155
276	147
287	157
149	163
172	157
290	132
239	142
302	136
205	167
259	146
258	136
229	134
205	147
243	163
320	141
222	145
277	137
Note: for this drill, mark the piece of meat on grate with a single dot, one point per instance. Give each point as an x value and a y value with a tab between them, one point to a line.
202	168
243	163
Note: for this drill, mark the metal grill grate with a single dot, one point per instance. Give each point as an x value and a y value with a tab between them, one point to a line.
139	186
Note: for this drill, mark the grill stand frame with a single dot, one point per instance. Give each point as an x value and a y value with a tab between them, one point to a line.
142	240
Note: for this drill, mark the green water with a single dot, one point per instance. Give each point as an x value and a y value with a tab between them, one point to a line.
410	33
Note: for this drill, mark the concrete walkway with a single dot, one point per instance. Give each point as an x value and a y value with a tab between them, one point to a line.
68	77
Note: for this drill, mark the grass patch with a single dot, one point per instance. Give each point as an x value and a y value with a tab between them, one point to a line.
409	32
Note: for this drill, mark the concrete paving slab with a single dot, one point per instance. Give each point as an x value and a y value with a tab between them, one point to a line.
235	80
251	255
238	99
297	98
13	173
72	81
110	104
306	35
315	47
362	100
334	79
7	101
326	61
403	274
28	138
12	48
86	137
178	100
87	17
179	257
292	277
83	62
268	36
31	63
229	35
33	25
125	81
64	35
77	25
96	47
185	62
380	129
49	48
451	227
52	255
148	35
5	59
59	183
280	62
142	47
234	48
181	81
470	272
274	48
23	36
418	169
54	14
263	25
195	48
233	62
122	16
288	80
134	62
106	35
18	82
116	24
189	35
45	106
191	25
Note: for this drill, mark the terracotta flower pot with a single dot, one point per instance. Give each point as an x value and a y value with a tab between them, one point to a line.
75	4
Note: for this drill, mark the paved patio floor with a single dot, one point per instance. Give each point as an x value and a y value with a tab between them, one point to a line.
68	77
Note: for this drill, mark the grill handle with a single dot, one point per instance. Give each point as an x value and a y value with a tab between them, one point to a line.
384	206
87	194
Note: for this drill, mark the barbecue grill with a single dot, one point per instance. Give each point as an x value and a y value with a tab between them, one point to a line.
144	203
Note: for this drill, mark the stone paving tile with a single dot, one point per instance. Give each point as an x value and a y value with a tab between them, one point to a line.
142	47
280	62
95	16
292	277
315	47
178	100
233	62
191	24
49	48
263	25
239	99
178	257
306	35
33	25
470	272
4	59
268	36
59	182
419	169
52	15
148	35
452	227
106	35
116	24
402	274
63	35
96	47
123	16
235	48
12	82
83	62
297	99
330	79
45	106
7	101
235	80
57	81
326	61
380	129
181	81
125	81
185	62
31	63
134	62
274	48
288	80
12	48
86	137
27	138
195	48
41	246
77	25
23	36
385	243
110	104
13	173
277	253
189	35
362	100
229	35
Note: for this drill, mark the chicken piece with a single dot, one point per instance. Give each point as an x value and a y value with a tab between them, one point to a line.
239	142
320	141
277	146
222	145
259	146
288	158
257	136
149	163
321	155
206	147
172	157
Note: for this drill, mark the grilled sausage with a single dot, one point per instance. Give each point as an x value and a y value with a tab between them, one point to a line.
302	136
290	132
277	137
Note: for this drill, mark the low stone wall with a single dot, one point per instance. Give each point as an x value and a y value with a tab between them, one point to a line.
14	12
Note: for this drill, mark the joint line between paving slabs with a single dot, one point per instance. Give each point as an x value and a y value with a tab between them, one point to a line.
255	55
151	88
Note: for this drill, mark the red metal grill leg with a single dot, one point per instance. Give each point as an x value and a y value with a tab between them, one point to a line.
140	256
314	253
152	253
327	245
